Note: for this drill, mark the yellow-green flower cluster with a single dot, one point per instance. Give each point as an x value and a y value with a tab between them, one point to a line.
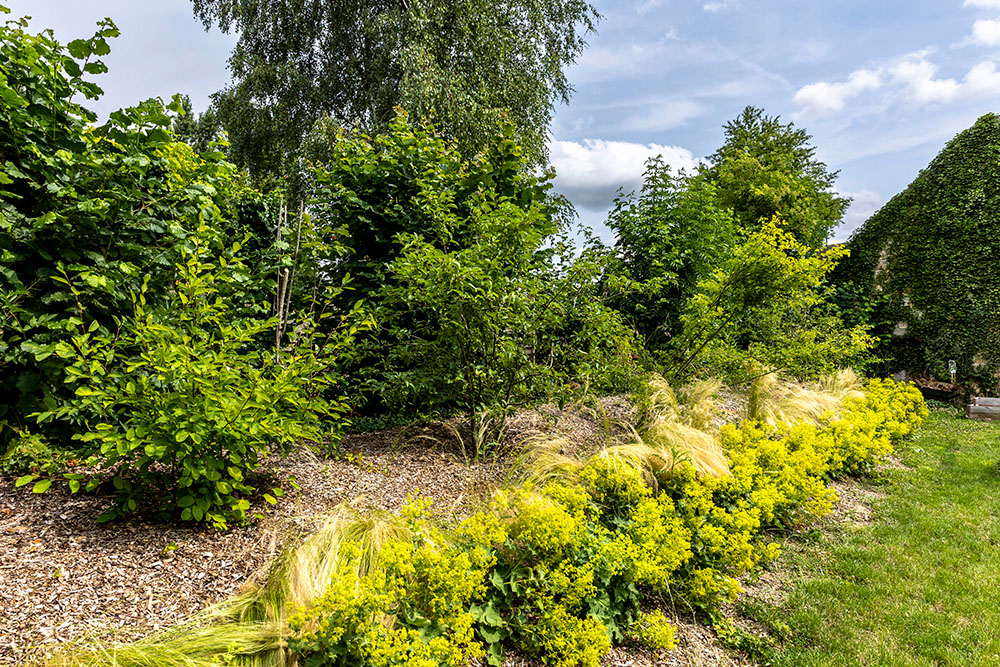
654	630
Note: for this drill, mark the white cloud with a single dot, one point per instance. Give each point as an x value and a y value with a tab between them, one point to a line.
717	6
911	80
916	74
591	171
985	4
822	98
643	6
662	115
986	32
983	80
810	51
612	63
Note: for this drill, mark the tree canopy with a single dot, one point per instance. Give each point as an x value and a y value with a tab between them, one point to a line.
766	169
670	235
468	65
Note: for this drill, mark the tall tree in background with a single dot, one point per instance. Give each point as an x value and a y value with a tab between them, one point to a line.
766	169
465	64
197	130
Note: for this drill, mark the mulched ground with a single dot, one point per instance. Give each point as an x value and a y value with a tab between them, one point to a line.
65	577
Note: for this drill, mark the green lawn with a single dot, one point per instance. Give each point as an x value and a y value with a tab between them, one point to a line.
917	585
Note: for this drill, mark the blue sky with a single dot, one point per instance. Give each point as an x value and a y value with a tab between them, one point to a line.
881	86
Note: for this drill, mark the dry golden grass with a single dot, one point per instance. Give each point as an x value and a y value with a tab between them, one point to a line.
773	400
544	459
678	440
680	425
672	427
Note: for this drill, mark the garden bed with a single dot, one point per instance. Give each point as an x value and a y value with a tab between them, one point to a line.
64	577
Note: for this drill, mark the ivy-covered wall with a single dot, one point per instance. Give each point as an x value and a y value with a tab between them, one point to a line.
925	269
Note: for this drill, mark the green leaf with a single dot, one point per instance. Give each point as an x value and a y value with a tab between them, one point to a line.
491	617
21	481
271	500
74	485
185	501
497	580
41	486
79	48
491	636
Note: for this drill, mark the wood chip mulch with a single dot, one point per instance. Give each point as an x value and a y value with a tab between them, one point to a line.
64	577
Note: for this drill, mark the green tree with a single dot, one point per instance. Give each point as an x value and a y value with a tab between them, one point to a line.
766	169
179	405
669	237
84	211
470	66
198	130
480	305
410	180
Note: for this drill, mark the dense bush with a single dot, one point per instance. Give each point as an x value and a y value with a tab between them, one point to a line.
563	570
181	404
138	278
481	305
88	215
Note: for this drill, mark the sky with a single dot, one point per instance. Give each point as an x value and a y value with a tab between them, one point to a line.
880	85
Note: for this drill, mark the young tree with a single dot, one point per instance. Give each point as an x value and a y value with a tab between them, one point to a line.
669	236
197	130
469	65
765	306
766	169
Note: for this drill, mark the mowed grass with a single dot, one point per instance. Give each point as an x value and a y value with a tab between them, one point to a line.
917	585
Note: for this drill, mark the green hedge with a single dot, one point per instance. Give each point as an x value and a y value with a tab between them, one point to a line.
929	258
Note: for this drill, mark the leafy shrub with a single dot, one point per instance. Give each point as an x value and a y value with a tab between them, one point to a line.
765	305
181	404
88	215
